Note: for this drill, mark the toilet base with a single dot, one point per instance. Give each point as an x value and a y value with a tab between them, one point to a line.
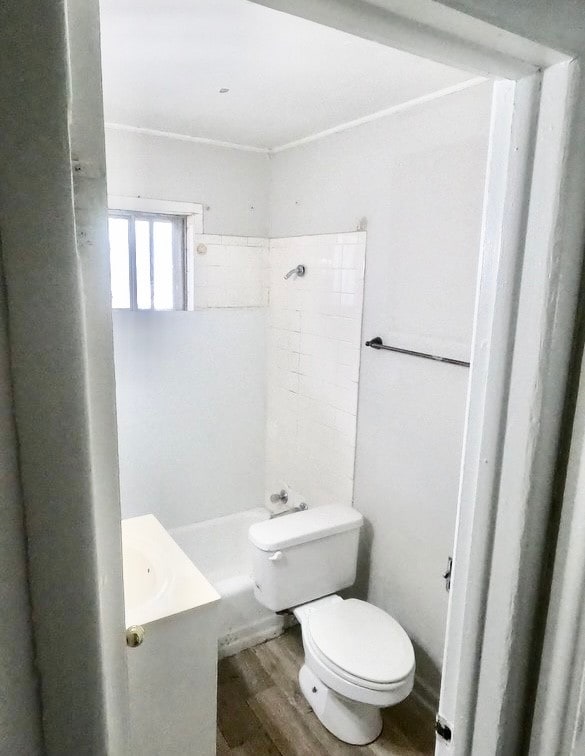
350	721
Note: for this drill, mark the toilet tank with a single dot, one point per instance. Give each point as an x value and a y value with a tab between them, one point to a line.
300	557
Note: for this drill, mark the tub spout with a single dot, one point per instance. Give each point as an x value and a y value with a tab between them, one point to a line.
289	510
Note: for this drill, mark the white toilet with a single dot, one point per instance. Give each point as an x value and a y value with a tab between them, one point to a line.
358	659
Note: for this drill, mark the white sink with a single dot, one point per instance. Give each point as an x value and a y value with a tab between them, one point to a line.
159	579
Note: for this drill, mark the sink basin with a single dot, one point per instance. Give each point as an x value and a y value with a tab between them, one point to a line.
145	577
159	578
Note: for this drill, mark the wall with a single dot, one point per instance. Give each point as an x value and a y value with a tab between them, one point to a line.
191	439
231	184
61	371
20	722
230	271
313	365
417	177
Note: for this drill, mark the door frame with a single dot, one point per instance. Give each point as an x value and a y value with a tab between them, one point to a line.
560	693
532	244
530	260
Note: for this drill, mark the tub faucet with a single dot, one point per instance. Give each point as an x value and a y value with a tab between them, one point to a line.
282	498
290	510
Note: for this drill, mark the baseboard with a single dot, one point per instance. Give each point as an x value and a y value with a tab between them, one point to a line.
254	635
426	695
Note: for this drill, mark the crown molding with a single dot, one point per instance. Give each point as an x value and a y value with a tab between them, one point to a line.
185	137
415	102
403	106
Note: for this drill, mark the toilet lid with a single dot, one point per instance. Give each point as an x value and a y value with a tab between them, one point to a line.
362	640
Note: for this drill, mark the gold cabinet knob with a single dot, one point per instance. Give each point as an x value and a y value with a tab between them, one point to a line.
134	635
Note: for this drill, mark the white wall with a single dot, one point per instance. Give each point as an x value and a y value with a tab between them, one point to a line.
418	178
190	394
313	367
191	439
231	184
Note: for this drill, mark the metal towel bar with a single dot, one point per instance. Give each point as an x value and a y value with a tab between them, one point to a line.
377	343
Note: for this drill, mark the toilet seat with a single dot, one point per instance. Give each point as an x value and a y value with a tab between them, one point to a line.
347	676
349	642
362	643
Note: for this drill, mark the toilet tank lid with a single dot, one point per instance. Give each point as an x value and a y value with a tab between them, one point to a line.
302	527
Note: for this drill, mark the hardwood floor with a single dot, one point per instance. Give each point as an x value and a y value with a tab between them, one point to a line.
262	712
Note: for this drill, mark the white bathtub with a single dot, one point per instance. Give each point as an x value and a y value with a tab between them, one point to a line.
220	549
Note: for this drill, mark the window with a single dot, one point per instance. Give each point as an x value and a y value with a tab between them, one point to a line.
147	260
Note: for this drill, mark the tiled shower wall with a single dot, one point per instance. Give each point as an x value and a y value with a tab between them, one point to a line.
230	271
313	366
313	349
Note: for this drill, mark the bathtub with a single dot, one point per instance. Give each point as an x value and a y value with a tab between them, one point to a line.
220	549
172	673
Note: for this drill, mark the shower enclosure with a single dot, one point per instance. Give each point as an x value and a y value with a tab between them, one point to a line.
252	390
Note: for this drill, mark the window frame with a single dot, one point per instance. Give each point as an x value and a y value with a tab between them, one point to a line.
191	214
179	257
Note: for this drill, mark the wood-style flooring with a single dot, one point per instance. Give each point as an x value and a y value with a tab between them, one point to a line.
262	712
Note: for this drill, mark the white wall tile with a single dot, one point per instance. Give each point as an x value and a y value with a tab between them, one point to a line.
278	338
345	422
231	272
348	354
313	365
208	239
288	320
343	329
227	240
256	241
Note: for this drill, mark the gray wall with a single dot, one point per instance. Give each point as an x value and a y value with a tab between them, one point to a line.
20	726
418	178
190	386
62	384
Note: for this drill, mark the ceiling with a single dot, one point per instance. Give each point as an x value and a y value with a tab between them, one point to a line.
164	62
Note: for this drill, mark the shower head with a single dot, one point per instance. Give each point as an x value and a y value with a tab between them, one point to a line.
299	271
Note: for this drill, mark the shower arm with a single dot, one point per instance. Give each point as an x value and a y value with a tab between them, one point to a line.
299	271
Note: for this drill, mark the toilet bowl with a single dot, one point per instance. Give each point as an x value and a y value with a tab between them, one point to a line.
358	659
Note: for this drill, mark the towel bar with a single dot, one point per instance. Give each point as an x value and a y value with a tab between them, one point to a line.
377	343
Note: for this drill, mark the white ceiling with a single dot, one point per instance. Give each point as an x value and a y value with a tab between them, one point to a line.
164	62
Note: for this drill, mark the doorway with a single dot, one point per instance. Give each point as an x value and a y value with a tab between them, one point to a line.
554	186
368	167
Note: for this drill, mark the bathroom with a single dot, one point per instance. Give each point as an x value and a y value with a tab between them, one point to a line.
298	145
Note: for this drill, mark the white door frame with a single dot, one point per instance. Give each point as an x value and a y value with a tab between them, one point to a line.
560	699
530	259
509	465
515	406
